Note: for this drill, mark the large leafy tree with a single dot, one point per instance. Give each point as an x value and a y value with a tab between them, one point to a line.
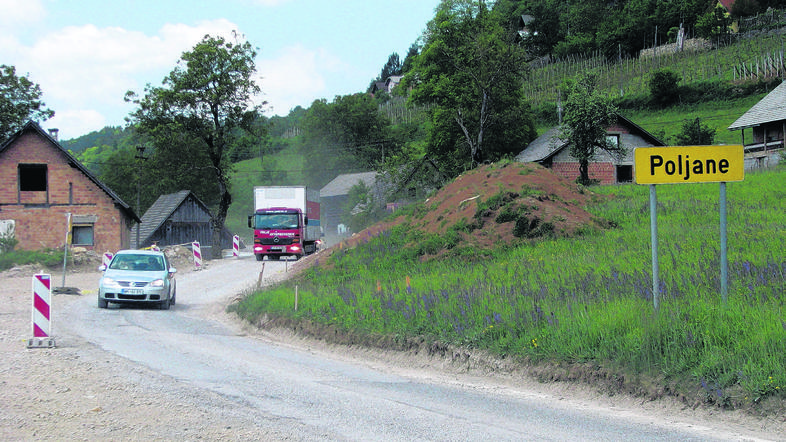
20	101
199	115
470	73
349	134
588	115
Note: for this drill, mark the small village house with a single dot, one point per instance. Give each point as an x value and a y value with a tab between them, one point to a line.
762	130
41	183
550	151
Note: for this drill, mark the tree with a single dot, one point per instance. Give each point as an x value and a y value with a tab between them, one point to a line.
588	114
200	113
392	67
694	133
471	73
412	52
20	101
663	87
348	134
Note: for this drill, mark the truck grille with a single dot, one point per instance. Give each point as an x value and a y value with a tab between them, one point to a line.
274	241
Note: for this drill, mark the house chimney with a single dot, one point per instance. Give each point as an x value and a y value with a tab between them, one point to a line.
53	133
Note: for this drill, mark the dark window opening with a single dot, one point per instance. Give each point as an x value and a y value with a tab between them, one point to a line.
82	235
624	174
32	177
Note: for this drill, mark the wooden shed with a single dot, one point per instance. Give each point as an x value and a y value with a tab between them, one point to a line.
765	124
178	218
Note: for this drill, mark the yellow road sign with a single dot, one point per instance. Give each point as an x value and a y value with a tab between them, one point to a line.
689	164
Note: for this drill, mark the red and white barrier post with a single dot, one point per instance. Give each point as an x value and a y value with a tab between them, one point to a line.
107	259
235	246
42	320
197	255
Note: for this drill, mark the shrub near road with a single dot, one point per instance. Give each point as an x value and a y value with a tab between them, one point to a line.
576	300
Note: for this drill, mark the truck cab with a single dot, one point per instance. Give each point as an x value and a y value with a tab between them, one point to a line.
279	232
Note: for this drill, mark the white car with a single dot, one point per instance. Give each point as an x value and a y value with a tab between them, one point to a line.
137	277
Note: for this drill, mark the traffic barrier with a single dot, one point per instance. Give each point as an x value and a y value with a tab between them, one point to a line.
235	246
107	258
197	255
42	321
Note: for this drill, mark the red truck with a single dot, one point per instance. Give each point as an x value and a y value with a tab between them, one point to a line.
285	221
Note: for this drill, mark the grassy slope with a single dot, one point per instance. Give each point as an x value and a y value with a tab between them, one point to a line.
716	115
586	302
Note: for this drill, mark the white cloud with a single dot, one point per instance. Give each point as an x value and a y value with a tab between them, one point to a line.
295	78
19	12
77	122
85	71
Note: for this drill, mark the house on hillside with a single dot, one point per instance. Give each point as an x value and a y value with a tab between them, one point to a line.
41	183
550	151
766	122
727	6
335	196
524	30
178	218
386	85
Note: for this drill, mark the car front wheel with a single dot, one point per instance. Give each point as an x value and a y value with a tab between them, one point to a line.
102	303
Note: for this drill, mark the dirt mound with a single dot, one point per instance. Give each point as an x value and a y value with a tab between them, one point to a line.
499	204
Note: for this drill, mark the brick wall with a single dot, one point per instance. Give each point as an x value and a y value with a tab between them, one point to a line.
605	172
40	217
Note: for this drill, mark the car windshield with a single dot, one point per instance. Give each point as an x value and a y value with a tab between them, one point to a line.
278	221
137	262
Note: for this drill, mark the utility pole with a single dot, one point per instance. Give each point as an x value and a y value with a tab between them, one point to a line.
140	155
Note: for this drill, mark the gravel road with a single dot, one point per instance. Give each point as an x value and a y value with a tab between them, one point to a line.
103	381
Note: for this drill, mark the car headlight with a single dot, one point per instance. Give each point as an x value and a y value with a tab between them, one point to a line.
157	283
109	283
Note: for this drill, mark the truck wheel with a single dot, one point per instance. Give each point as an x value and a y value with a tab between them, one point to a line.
274	257
260	257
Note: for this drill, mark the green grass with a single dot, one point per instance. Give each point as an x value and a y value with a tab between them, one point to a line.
48	258
586	300
716	115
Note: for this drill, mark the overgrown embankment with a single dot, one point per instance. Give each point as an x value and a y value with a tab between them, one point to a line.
566	303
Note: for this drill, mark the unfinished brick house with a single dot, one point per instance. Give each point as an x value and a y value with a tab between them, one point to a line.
41	182
550	151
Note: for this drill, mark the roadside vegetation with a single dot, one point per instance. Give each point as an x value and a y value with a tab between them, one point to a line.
583	302
9	257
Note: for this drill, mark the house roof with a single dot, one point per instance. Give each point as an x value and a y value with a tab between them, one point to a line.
343	183
771	108
550	144
161	210
32	126
728	4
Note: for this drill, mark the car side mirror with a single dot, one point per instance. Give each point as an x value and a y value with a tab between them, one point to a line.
172	270
102	268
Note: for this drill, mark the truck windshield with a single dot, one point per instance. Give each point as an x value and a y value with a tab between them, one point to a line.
277	221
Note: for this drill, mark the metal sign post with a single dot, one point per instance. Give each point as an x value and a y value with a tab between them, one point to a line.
689	164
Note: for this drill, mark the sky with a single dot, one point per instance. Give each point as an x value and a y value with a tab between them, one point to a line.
86	54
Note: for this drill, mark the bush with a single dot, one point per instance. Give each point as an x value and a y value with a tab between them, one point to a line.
663	87
49	258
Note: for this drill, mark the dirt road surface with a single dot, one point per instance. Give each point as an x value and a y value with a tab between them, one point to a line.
84	390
